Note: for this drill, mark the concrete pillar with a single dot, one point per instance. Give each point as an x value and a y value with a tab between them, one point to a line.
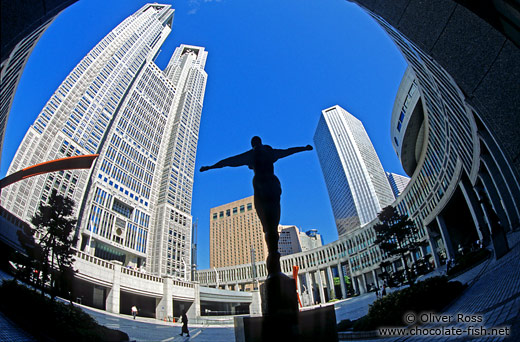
164	308
502	191
433	248
194	310
320	287
113	298
342	282
423	251
509	185
360	289
450	253
236	287
495	199
299	288
310	290
364	284
376	280
355	284
475	209
255	308
330	287
414	257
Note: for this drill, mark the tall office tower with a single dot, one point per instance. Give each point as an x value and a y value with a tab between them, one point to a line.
356	182
397	182
292	240
235	232
134	204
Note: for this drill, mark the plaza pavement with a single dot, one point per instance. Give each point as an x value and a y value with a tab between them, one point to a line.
493	292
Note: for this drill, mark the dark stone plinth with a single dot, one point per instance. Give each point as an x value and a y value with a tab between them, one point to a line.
279	295
280	308
313	325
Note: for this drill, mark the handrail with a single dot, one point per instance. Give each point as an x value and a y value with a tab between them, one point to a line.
133	273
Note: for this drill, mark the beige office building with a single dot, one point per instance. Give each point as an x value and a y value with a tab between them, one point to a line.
235	230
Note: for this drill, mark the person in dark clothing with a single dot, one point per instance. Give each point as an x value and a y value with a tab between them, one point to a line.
184	319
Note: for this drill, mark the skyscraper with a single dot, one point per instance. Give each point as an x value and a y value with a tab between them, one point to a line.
397	182
356	182
134	204
235	231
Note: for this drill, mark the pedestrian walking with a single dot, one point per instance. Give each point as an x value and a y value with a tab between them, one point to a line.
184	319
134	311
383	291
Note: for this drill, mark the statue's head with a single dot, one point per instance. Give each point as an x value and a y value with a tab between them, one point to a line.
256	141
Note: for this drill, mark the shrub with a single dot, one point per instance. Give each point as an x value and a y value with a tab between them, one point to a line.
432	294
51	320
345	324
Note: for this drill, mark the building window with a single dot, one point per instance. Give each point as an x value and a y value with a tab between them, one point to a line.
122	208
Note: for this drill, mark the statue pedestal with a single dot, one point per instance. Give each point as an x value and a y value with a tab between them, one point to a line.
313	325
280	308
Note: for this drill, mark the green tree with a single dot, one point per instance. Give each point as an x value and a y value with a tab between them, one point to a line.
396	235
55	231
31	260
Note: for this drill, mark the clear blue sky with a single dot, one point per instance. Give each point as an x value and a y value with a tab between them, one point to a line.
272	67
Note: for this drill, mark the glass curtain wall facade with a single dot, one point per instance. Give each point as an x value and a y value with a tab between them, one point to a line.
397	182
356	182
134	204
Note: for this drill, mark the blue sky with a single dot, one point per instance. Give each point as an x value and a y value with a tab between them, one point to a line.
272	67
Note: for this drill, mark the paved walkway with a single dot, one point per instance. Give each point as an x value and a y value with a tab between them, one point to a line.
11	332
149	329
493	294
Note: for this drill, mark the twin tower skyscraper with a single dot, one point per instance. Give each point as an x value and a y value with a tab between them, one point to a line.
134	204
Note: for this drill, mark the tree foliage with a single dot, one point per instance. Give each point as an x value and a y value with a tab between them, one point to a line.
55	234
396	235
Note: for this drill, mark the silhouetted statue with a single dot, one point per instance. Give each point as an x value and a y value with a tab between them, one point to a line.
267	190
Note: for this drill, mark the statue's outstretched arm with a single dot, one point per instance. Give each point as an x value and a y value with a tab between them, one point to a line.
279	154
238	160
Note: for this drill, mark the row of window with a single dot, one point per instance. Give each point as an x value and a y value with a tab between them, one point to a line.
242	209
